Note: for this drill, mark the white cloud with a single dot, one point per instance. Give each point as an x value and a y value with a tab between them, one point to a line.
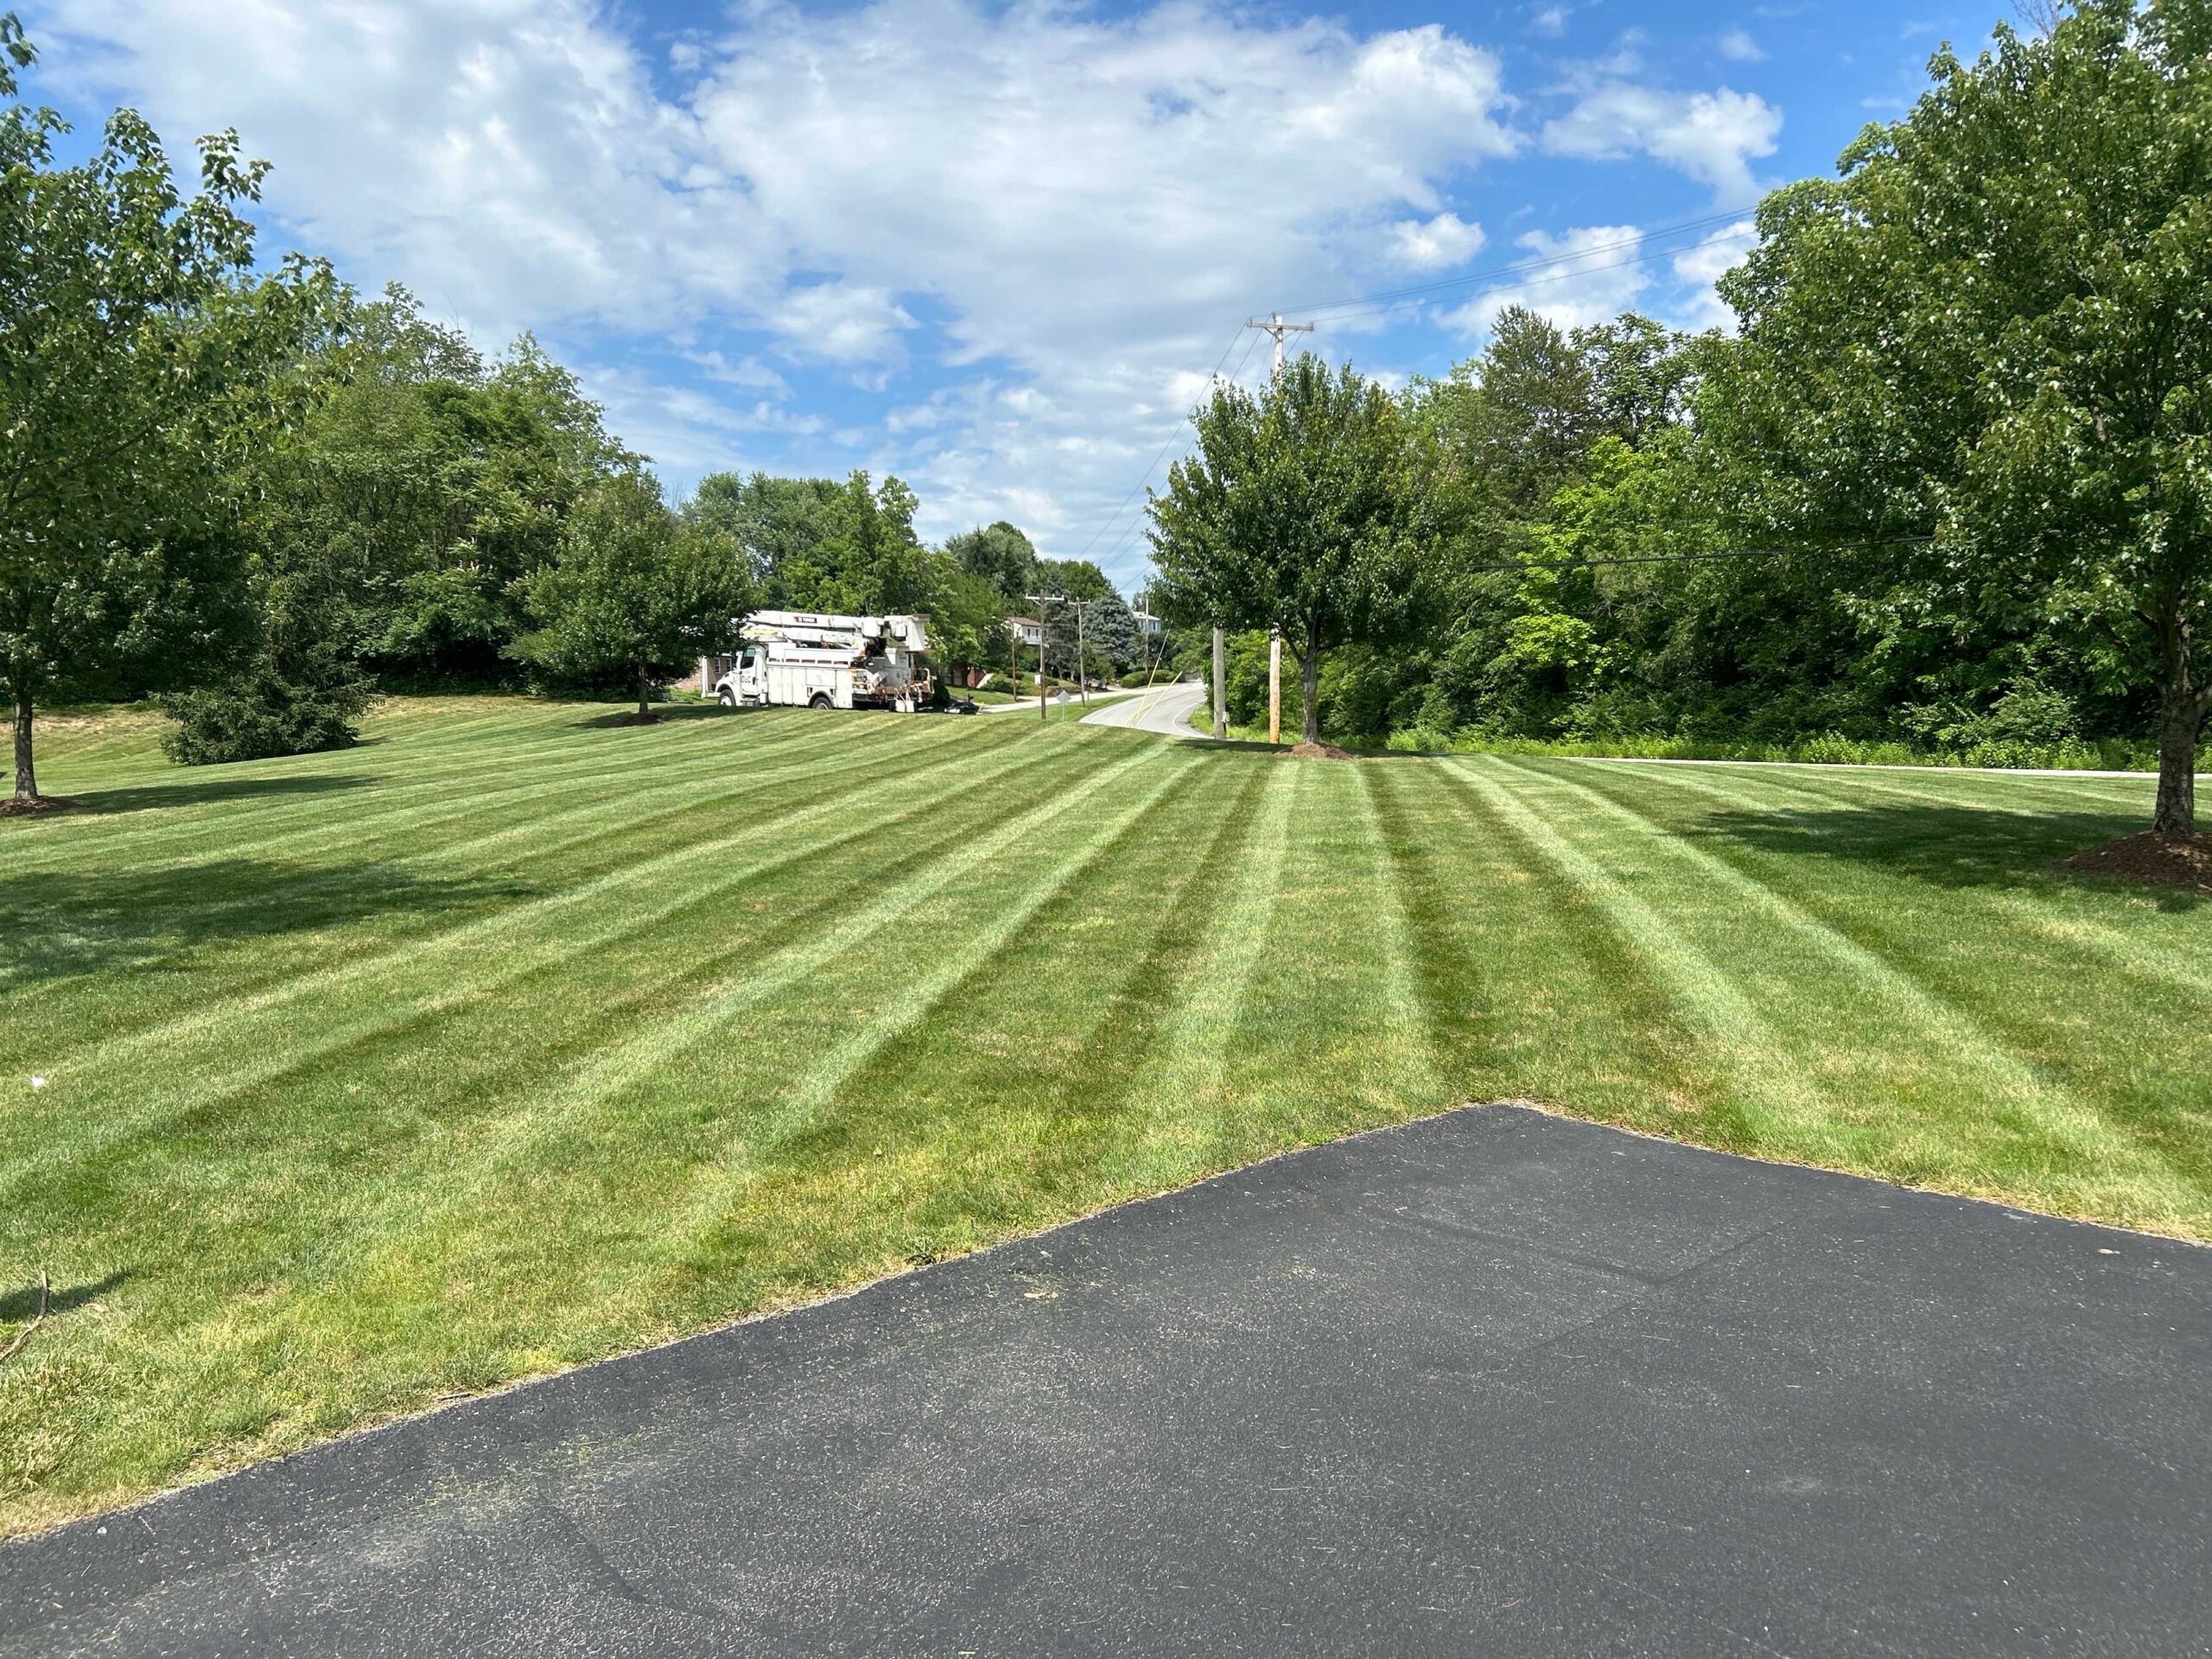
748	371
1550	23
1087	204
1589	276
512	163
1738	47
1700	266
841	322
1035	171
1049	219
1710	136
1437	244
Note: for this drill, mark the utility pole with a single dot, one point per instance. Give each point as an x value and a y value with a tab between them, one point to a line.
1220	686
1144	640
1276	328
1044	632
1274	685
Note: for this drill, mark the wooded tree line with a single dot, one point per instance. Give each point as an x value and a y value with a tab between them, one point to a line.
262	497
1949	484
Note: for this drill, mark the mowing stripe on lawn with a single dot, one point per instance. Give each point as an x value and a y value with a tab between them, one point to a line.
770	1129
405	962
608	1075
2031	1000
1180	1090
220	1016
1407	1044
117	828
403	767
1751	1048
1181	888
2094	934
529	1126
625	823
2131	791
2033	1107
1576	1018
402	806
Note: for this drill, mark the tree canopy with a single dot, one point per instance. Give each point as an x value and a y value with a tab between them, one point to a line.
1298	511
633	595
1001	554
1991	333
141	357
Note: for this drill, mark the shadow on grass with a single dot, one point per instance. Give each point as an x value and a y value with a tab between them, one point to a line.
54	925
146	797
1248	745
1945	846
664	714
18	1305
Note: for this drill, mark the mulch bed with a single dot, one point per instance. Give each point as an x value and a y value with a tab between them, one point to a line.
1315	752
37	807
2151	860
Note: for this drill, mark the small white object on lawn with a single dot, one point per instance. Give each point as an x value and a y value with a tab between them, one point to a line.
38	1083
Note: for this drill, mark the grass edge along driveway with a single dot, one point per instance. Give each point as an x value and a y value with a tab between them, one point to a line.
510	1040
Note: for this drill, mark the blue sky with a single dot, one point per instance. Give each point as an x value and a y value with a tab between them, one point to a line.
998	249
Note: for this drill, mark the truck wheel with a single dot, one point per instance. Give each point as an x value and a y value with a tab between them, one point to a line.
728	698
821	700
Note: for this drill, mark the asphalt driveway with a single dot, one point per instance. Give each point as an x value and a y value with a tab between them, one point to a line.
1493	1384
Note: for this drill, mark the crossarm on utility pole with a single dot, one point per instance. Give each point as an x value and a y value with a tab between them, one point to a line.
1276	328
1044	631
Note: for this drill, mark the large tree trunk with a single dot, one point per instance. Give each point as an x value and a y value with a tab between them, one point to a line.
2181	718
645	695
2182	705
26	773
1311	663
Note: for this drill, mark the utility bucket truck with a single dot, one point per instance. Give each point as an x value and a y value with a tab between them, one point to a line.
801	660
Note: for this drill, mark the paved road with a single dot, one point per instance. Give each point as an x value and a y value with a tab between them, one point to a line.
1493	1384
1164	708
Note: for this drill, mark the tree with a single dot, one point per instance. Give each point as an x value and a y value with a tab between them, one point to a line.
1001	555
300	693
139	359
1071	579
1991	332
634	595
1298	511
422	482
966	615
1110	630
818	544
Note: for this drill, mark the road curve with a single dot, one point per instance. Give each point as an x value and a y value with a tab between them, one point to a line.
1163	709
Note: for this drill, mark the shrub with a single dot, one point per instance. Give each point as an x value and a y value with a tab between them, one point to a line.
260	714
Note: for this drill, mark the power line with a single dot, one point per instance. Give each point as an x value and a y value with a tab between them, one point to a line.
1563	266
1249	342
1162	455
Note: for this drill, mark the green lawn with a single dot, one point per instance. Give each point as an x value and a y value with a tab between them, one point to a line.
513	1039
